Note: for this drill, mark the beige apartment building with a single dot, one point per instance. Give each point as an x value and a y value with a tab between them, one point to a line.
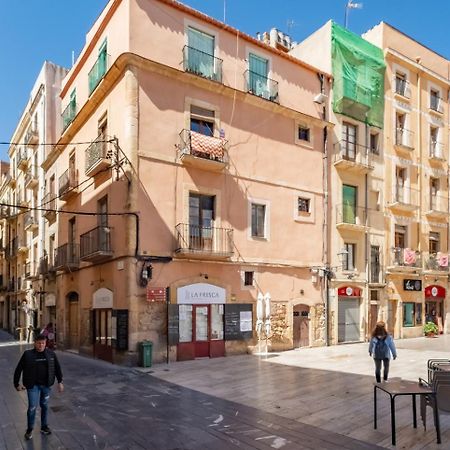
415	194
189	185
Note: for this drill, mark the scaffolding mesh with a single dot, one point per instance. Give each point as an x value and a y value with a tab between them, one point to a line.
358	70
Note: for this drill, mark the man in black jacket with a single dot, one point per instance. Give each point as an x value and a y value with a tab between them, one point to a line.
38	367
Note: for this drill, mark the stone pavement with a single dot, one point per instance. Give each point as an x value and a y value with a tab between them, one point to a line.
110	407
330	388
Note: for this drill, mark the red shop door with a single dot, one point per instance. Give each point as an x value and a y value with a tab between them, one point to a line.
201	328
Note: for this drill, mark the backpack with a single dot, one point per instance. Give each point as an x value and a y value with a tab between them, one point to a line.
381	349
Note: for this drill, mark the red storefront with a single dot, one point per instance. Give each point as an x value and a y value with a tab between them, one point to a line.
434	305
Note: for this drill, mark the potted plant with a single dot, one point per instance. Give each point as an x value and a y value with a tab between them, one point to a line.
430	329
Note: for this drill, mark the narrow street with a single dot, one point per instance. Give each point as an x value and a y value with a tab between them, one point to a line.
110	407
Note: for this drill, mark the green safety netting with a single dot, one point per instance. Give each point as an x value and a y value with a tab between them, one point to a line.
358	70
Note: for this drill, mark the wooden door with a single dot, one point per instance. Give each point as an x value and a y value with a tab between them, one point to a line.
300	326
201	330
103	334
73	324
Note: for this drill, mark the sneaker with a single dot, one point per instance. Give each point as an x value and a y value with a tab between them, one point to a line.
28	434
46	430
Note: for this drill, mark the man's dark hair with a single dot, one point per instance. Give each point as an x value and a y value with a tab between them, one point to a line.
40	337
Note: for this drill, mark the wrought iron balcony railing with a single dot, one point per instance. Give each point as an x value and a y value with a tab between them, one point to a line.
95	245
69	114
436	262
261	86
436	103
438	203
202	146
404	196
406	257
204	240
202	64
67	256
436	150
356	154
98	71
404	138
98	155
402	87
49	205
68	183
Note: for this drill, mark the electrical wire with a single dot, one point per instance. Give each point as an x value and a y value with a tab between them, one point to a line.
51	143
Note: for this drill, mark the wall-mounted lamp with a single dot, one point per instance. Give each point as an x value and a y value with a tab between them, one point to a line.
320	98
146	274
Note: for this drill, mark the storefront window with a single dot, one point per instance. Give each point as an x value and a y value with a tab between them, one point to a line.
217	322
185	312
418	313
408	314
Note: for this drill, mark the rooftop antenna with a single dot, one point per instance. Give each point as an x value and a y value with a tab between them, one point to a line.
73	58
289	25
351	5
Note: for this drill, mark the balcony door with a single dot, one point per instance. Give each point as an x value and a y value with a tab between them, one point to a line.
201	221
259	70
434	190
103	233
349	141
400	184
200	53
349	199
71	252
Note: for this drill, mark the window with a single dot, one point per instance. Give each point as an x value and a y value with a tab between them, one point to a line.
418	313
400	236
202	120
51	250
349	140
434	190
258	220
400	182
435	100
435	150
402	135
401	84
375	266
248	278
201	221
434	243
374	143
257	78
303	133
199	58
350	257
99	69
409	314
374	295
304	205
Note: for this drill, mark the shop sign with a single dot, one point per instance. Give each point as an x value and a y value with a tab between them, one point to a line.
102	299
201	294
349	291
412	285
50	300
156	294
434	291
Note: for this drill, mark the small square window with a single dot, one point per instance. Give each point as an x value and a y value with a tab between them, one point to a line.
303	133
248	278
303	205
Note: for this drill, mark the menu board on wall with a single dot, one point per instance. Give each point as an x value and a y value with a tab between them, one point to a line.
173	322
234	315
122	329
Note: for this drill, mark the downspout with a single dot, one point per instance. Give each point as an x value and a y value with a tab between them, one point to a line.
419	144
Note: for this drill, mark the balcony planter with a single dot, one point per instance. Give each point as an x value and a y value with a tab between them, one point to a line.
430	329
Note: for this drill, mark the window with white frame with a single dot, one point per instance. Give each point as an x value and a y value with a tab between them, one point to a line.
249	278
303	133
374	143
435	100
258	218
303	205
349	262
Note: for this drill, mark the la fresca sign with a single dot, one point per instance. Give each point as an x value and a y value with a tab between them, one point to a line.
200	294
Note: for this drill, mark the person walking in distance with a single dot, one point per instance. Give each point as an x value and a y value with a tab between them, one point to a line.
381	347
38	367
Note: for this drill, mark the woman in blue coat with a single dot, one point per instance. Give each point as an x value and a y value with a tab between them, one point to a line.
381	347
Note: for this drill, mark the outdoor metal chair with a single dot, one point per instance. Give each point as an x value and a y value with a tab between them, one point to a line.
440	383
434	365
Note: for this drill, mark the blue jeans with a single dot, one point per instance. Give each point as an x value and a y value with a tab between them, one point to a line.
38	394
378	369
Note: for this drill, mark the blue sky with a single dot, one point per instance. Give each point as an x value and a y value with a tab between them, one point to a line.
32	31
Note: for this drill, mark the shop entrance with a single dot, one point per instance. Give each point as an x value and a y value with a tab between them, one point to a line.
348	320
74	341
301	326
434	305
103	334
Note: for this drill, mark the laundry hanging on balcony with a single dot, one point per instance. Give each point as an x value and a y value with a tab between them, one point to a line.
409	256
207	146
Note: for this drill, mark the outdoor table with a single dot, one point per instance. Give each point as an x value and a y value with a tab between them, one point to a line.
403	387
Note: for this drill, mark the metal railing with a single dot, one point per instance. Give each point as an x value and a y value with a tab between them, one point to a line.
350	214
49	203
402	87
436	150
406	257
99	150
98	71
31	136
22	157
436	261
261	86
27	271
67	255
405	195
202	146
208	240
97	240
68	181
202	64
69	114
438	203
350	151
404	138
30	219
31	177
436	103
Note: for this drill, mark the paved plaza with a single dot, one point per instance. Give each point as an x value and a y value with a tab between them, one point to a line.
303	399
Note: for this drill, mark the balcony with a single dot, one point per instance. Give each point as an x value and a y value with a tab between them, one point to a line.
98	71
436	104
437	151
436	262
350	218
49	206
11	180
67	257
404	260
437	206
5	212
22	201
30	272
204	242
98	156
202	64
31	221
352	157
22	160
68	184
95	245
353	98
69	114
31	179
11	249
22	246
32	136
204	152
404	198
261	86
404	139
46	267
402	87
